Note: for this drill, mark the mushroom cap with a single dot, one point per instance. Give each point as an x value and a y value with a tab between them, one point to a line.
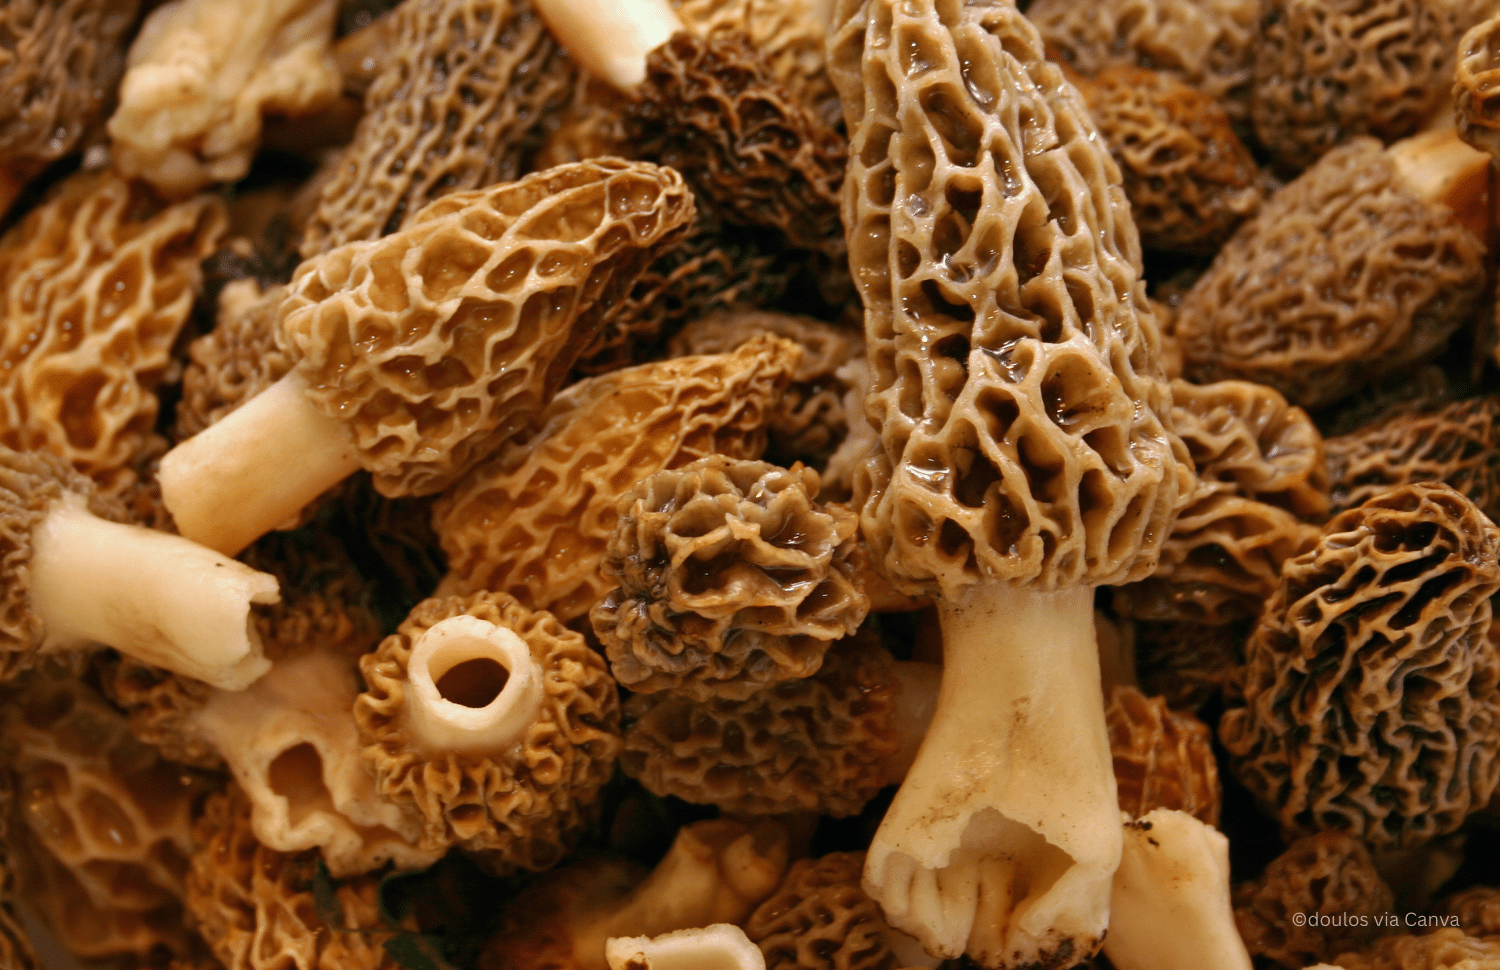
256	906
1328	874
815	745
1208	44
95	286
456	106
1370	700
731	578
1476	86
556	492
1021	407
1477	909
1444	949
439	342
1188	664
1424	388
30	483
1343	277
591	124
236	360
1189	179
522	809
1458	444
809	421
59	63
1329	70
753	152
821	919
1162	758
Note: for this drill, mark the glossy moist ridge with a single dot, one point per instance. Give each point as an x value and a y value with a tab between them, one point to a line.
1476	86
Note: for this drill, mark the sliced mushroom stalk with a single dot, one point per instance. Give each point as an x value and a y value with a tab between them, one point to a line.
722	946
611	38
474	687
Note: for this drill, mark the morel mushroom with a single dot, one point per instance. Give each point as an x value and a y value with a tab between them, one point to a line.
1370	698
1356	270
1476	909
492	728
421	352
1446	949
555	493
1162	758
236	360
732	578
1476	88
1026	457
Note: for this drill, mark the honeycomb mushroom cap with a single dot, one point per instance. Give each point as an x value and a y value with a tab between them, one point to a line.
1371	693
1189	179
820	744
467	321
591	124
95	286
1163	758
257	909
236	360
1444	949
556	491
520	810
731	578
1188	664
1458	444
1329	70
1328	874
1476	87
1343	277
820	919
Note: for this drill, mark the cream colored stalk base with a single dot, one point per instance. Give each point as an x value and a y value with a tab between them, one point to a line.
1439	166
916	703
155	596
1170	908
611	38
292	745
718	947
438	724
1004	838
238	479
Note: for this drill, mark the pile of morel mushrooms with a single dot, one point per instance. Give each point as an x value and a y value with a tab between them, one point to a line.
749	484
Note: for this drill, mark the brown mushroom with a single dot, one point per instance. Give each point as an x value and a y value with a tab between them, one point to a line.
732	577
1476	910
1188	664
554	494
491	726
236	360
418	373
1317	899
1371	693
1445	949
1476	88
1356	270
1162	758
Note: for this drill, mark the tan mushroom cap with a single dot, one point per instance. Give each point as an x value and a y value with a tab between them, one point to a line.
1445	949
455	107
1020	403
820	744
1163	758
520	810
1369	701
438	343
255	906
1189	179
1325	875
95	286
1458	444
1476	87
1343	277
553	496
732	577
820	919
1188	664
236	360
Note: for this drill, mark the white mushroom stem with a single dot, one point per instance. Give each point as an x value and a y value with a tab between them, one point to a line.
257	468
473	687
1438	166
1170	909
155	596
611	38
916	702
718	947
1004	838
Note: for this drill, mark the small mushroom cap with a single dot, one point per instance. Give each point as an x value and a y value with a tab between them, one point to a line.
95	286
821	919
522	810
556	493
1188	664
1476	86
1444	949
1163	758
236	360
1458	444
731	578
1343	277
438	343
1370	700
455	107
1189	179
820	744
1324	875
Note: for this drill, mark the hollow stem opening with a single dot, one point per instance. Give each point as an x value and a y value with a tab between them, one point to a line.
474	687
611	38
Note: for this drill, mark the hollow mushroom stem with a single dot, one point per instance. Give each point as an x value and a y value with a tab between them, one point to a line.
474	687
1005	835
611	38
265	460
154	596
1439	166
